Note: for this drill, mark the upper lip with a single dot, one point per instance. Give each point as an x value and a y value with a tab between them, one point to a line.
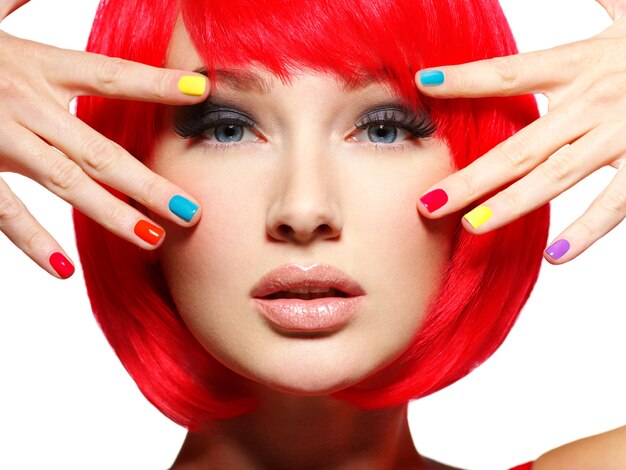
289	276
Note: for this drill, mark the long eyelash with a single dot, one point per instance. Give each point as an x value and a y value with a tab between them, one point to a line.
418	126
196	119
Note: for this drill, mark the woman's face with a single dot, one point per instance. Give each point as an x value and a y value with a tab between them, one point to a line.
303	186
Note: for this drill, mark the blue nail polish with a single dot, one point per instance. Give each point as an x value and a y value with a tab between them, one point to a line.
431	77
183	207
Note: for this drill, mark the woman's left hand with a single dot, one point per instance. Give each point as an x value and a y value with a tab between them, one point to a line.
585	83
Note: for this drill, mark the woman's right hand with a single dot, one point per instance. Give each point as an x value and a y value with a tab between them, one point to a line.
37	83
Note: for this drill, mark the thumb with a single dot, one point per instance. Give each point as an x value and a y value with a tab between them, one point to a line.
615	8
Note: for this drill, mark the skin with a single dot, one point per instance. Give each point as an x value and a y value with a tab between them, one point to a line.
266	201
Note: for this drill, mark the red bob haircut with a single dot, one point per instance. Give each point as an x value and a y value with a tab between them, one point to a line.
487	279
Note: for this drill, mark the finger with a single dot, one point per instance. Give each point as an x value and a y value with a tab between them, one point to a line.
18	224
112	77
509	160
602	216
53	170
530	72
9	6
615	8
559	173
107	162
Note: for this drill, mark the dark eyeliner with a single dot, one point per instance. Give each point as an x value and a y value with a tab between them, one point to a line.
192	121
418	125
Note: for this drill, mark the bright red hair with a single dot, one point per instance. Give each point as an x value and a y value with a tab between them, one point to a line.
488	277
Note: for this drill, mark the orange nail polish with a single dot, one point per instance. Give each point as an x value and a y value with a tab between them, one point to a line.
148	232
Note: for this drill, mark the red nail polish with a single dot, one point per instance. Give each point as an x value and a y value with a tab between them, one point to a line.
434	199
61	265
148	232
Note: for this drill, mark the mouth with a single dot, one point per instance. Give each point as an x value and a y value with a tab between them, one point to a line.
307	293
293	281
300	299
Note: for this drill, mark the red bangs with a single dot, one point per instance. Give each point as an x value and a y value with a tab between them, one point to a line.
351	40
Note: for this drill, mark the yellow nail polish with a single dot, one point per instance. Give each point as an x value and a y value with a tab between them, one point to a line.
192	85
478	216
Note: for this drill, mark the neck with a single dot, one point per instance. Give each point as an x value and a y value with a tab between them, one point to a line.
289	431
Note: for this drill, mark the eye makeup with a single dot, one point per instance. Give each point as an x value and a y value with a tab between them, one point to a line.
418	125
193	121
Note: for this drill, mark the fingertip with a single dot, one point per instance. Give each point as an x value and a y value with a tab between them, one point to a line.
434	200
195	85
61	265
150	233
556	250
185	209
430	77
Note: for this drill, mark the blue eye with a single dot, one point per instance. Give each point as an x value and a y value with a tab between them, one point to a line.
387	124
382	133
228	133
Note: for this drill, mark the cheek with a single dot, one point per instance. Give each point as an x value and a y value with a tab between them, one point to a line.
406	252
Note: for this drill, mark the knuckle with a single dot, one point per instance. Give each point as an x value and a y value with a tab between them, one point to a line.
100	155
161	86
508	71
589	228
467	184
560	167
613	201
512	202
65	174
516	154
606	90
463	81
34	240
116	217
9	208
11	88
152	192
109	73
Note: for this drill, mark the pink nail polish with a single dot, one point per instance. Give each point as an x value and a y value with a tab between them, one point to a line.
61	265
434	199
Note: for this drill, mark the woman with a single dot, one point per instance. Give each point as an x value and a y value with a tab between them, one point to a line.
286	218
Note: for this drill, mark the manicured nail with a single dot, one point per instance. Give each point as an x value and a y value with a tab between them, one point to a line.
434	199
431	77
183	207
61	265
148	232
558	248
192	85
478	216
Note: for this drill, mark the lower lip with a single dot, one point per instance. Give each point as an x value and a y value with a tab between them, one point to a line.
309	315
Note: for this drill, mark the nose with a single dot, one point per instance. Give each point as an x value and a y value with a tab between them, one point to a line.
305	206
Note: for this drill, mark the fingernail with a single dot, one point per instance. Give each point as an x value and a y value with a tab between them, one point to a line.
148	232
61	265
431	77
192	85
558	248
478	216
434	199
183	207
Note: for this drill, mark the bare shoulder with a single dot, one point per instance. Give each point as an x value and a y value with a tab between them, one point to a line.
606	451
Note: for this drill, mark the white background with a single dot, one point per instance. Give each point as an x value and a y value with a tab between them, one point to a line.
66	402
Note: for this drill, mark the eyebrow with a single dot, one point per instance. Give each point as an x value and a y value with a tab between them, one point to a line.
250	82
240	80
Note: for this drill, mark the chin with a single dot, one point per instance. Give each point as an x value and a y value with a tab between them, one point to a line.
314	370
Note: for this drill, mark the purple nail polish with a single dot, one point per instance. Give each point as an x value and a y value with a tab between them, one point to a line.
558	248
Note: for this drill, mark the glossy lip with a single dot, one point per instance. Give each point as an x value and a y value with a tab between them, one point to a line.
325	313
290	276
